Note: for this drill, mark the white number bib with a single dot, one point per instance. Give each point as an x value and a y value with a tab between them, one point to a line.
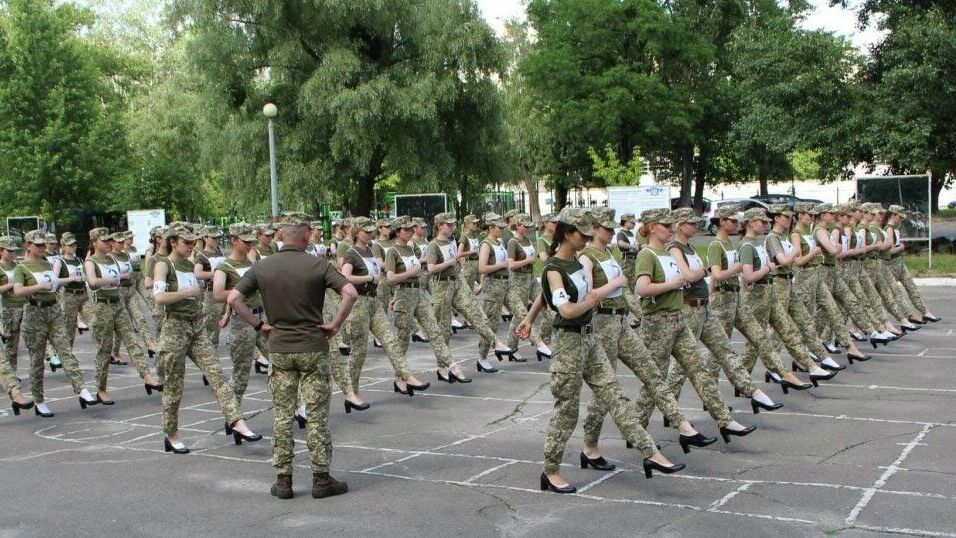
215	261
580	281
787	247
529	251
899	238
845	242
612	270
241	271
694	262
860	238
500	253
762	254
124	267
811	243
75	270
410	262
110	271
371	265
186	280
448	251
669	266
473	244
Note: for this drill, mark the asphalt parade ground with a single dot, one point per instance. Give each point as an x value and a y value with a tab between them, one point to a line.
869	453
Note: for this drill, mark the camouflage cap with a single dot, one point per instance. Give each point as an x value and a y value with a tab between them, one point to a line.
35	236
523	219
445	218
347	222
604	217
181	232
119	237
826	208
51	238
579	218
852	206
265	229
380	223
684	214
551	217
155	230
365	224
316	225
67	239
627	217
243	230
210	231
294	218
100	234
403	221
659	215
756	213
8	243
418	221
470	218
493	219
730	211
780	209
897	209
510	213
336	222
872	207
804	207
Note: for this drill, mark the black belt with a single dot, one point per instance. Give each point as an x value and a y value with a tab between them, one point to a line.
695	302
493	277
829	265
40	304
107	300
184	317
613	311
583	329
408	285
727	287
443	278
472	257
75	291
629	255
787	276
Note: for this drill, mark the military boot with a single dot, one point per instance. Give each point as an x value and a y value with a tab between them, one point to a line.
323	485
283	486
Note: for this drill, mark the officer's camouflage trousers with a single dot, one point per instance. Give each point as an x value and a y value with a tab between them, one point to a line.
8	379
112	320
884	289
367	315
212	311
182	337
456	294
136	311
11	321
580	357
803	307
292	374
898	270
705	327
620	341
243	341
772	302
411	303
42	324
666	334
520	295
732	311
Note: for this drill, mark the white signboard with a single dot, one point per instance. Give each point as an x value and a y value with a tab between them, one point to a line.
140	222
635	199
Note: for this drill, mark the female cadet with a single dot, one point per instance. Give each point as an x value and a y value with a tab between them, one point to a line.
157	251
768	292
104	275
470	243
205	261
450	291
75	297
664	328
419	243
34	280
619	340
12	305
493	286
403	270
873	264
264	245
521	257
578	355
862	284
126	294
545	236
383	292
895	214
628	243
176	289
703	322
243	338
913	318
361	268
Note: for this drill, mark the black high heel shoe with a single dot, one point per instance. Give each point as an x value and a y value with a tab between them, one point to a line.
418	388
39	413
757	406
650	466
205	381
483	369
507	317
345	351
768	378
170	448
932	319
500	353
853	357
17	406
416	338
547	485
598	464
239	437
814	378
542	355
408	390
102	401
444	379
150	388
261	368
786	386
794	367
349	406
86	403
667	423
513	358
301	420
228	429
726	434
699	440
452	378
151	353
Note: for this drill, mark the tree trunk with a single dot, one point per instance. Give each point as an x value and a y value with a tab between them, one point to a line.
937	187
560	196
530	185
366	188
687	171
700	180
763	185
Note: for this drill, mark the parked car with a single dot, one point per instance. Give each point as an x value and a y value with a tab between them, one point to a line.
769	199
951	205
813	201
743	203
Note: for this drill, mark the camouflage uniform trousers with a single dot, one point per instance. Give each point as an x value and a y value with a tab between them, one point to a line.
469	272
666	334
413	304
805	294
329	309
901	274
111	321
243	341
212	310
772	302
855	277
41	324
76	304
705	327
11	322
633	302
183	336
518	298
732	311
136	312
620	341
306	374
579	357
897	291
383	294
835	298
368	316
848	294
9	380
492	296
455	294
875	270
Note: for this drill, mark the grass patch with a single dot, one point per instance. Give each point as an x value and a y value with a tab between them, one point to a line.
943	265
945	214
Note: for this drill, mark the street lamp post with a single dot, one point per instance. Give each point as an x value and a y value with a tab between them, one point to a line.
270	111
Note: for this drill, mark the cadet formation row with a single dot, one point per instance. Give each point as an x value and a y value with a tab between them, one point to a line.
814	280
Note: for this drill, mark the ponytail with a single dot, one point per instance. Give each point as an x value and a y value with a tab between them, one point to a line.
561	231
645	230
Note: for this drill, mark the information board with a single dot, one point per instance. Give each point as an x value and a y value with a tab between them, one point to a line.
140	222
634	199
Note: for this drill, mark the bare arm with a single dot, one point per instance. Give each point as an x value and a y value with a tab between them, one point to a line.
355	279
826	242
483	266
692	275
94	281
646	288
219	292
170	297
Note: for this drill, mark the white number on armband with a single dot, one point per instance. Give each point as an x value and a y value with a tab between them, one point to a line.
159	287
559	297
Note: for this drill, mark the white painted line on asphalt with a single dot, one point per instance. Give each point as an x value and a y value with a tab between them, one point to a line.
726	498
487	472
921	353
600	480
881	481
896	530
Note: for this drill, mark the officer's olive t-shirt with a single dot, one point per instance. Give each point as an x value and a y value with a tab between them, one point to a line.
293	285
648	264
234	270
6	277
396	258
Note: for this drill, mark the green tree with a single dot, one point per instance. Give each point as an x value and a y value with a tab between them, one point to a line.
614	172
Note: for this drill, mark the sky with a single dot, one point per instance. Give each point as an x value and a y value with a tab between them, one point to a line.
834	19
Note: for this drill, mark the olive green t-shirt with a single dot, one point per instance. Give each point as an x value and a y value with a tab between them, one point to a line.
180	272
125	266
697	290
776	244
880	236
723	254
400	259
518	250
649	263
6	277
749	256
544	243
356	257
234	270
575	287
805	247
105	267
440	251
134	258
493	248
72	267
343	246
828	258
627	236
470	243
379	247
31	273
604	269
